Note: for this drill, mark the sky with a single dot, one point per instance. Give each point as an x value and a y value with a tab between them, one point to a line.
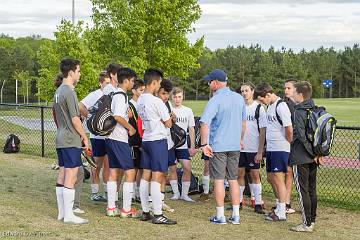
293	24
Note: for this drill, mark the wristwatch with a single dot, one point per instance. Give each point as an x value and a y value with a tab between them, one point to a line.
203	145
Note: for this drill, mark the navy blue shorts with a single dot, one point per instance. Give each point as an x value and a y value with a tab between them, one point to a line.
182	154
98	147
119	154
247	160
171	157
205	158
69	157
154	155
277	162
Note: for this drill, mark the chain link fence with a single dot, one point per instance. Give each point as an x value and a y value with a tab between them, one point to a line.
338	179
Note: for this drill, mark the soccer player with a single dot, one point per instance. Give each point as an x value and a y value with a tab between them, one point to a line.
97	142
118	149
252	153
154	159
279	133
70	137
222	129
185	120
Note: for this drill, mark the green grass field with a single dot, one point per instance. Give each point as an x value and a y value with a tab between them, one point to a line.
28	206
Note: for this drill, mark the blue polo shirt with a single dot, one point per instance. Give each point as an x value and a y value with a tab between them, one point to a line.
224	114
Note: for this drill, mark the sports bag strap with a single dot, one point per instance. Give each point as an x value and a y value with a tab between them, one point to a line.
276	112
112	94
257	116
133	111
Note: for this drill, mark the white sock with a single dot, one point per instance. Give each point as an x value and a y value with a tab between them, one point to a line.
144	195
111	189
60	202
220	212
257	193
174	186
136	190
185	188
105	187
281	210
94	188
206	185
236	211
69	196
128	192
242	188
156	197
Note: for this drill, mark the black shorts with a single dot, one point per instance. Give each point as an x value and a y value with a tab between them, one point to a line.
247	160
136	156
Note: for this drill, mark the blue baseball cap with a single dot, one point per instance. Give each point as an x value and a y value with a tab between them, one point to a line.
216	74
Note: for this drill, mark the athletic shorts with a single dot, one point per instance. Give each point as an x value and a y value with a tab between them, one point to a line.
136	156
277	162
171	157
119	154
98	147
224	165
69	157
247	160
182	154
203	157
154	155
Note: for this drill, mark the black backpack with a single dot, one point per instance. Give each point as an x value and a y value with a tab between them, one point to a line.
195	188
197	134
178	135
12	144
320	130
134	140
101	122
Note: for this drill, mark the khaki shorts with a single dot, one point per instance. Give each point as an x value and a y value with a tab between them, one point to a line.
224	165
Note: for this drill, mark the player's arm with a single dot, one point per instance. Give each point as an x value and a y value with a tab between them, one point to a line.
125	124
289	133
83	110
168	123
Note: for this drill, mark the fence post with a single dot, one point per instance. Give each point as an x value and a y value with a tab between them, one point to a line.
42	133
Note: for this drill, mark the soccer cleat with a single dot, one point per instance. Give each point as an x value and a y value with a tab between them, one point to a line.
259	209
78	210
112	212
273	217
175	197
303	228
167	208
235	220
186	198
96	197
55	166
76	220
146	216
161	219
216	220
289	210
204	197
132	213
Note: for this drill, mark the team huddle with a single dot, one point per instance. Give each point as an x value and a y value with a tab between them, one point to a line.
237	134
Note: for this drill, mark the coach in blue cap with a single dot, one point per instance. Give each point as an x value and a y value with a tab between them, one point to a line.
222	129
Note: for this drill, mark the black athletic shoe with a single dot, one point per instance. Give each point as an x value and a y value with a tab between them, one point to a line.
161	219
146	216
229	208
259	209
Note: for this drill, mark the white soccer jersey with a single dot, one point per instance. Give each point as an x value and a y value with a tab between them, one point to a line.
152	111
251	137
184	119
89	101
275	132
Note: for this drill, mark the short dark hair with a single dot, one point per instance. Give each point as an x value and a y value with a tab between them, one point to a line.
152	74
58	80
102	76
112	68
167	85
291	80
67	65
138	83
262	89
125	73
304	88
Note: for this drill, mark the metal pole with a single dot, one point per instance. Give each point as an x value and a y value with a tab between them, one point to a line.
73	12
16	91
42	133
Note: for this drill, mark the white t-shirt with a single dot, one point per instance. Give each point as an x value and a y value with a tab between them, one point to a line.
119	108
275	133
152	110
184	119
169	139
251	137
89	101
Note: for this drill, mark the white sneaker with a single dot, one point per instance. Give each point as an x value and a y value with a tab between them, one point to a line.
175	197
186	198
302	228
76	220
78	210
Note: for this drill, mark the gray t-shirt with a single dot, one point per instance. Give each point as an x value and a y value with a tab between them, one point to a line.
65	108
